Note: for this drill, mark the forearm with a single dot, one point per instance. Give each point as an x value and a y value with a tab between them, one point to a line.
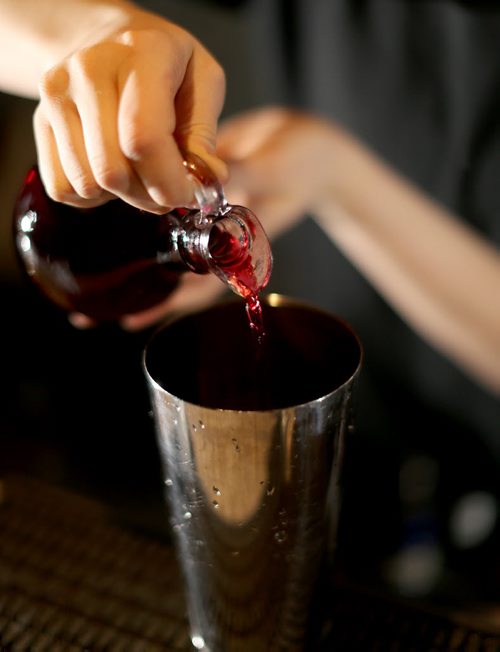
36	34
437	273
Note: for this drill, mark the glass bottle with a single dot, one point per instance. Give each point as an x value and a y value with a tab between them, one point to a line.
114	260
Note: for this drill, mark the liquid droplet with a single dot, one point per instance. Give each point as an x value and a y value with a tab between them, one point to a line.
198	642
217	491
270	490
215	504
280	536
169	482
187	516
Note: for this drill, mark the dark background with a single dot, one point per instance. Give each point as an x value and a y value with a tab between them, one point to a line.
75	409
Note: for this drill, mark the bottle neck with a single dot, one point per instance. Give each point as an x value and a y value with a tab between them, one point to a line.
232	245
208	190
226	240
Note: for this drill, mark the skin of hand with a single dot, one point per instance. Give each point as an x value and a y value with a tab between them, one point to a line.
116	112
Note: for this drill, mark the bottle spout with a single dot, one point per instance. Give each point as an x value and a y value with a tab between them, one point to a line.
238	251
208	191
227	240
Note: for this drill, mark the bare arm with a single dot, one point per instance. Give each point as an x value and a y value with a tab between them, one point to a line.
440	275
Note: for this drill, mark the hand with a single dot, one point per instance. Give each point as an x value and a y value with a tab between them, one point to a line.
114	114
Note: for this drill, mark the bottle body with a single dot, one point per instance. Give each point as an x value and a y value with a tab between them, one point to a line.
104	262
115	260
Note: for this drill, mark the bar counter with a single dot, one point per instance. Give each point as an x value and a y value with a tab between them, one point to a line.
73	578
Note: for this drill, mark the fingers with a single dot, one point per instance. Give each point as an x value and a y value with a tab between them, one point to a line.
146	117
97	104
62	157
198	107
113	118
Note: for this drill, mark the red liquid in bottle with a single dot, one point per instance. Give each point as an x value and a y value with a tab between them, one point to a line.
114	260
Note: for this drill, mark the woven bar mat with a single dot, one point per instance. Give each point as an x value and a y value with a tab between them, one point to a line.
70	581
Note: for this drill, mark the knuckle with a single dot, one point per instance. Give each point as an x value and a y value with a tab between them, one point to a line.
90	62
139	38
58	191
137	144
83	62
53	82
111	177
130	37
86	187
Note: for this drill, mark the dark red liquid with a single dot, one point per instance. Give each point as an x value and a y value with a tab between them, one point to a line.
305	355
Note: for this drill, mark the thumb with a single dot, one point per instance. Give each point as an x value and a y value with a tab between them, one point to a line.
200	144
239	188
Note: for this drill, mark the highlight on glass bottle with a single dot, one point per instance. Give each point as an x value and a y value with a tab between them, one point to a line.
114	259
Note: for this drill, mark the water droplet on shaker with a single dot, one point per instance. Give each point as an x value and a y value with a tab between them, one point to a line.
187	516
217	491
169	482
280	536
215	504
198	642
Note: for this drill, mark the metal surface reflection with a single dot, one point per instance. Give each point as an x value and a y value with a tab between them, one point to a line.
253	496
